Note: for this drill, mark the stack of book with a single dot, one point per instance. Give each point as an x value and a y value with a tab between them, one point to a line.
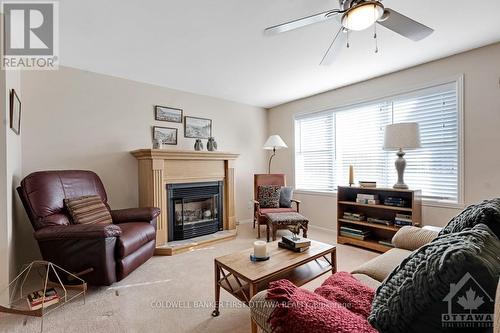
402	220
354	216
379	221
368	199
354	233
369	184
295	245
394	201
386	243
36	299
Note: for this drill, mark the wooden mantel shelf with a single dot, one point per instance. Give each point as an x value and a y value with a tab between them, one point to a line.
165	154
159	167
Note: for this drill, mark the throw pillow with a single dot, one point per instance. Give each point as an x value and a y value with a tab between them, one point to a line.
88	210
286	194
268	196
439	279
486	212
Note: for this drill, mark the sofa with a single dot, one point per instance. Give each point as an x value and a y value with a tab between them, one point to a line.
100	254
371	273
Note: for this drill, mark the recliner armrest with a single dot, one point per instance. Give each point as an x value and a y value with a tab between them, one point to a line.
78	231
144	214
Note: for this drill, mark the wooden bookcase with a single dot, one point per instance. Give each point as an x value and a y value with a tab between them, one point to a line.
346	202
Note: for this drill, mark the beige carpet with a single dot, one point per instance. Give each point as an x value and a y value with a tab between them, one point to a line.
168	294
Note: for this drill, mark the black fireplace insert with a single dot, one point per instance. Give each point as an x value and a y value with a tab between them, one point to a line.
194	209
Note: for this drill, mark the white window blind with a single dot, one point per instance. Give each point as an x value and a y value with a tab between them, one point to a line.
328	142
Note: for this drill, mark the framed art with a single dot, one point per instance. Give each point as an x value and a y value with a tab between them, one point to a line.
165	113
199	128
15	112
166	134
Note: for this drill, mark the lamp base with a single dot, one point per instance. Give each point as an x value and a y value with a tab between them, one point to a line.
400	168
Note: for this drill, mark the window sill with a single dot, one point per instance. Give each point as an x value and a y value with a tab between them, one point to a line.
425	202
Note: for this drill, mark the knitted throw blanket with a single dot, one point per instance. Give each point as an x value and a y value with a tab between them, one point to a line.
340	305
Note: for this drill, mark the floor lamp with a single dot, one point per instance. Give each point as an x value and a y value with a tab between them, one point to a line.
273	143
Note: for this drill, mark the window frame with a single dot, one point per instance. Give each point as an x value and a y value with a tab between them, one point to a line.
458	80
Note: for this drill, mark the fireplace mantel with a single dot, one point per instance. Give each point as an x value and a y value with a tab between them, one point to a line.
159	167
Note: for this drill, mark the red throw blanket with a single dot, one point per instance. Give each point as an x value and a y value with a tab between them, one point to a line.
340	305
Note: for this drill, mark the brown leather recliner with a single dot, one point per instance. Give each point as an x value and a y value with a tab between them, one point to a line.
103	253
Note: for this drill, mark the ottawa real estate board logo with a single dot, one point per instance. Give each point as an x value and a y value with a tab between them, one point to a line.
469	305
30	35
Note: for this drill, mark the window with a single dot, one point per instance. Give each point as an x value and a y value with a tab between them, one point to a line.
327	143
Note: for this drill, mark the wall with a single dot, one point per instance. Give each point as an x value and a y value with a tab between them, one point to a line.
75	119
481	69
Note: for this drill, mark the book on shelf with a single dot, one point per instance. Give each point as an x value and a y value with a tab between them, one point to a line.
386	243
354	230
399	223
379	221
394	201
292	248
368	201
368	184
353	216
367	196
296	243
37	299
353	235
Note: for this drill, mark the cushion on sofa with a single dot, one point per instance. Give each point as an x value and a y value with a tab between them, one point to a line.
268	196
486	212
88	210
411	238
413	297
380	267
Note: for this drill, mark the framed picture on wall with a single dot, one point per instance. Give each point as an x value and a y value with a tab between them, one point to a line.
166	134
199	128
15	112
165	113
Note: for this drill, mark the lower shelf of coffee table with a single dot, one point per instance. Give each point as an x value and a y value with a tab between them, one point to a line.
298	276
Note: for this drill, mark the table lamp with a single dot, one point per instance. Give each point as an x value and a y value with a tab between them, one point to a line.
274	142
398	137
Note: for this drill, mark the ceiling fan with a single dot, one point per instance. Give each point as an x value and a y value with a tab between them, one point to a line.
357	15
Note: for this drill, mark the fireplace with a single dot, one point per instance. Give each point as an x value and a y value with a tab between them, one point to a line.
194	209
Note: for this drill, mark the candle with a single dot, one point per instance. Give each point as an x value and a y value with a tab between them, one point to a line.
351	175
260	249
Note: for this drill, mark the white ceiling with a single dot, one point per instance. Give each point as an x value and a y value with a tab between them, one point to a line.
217	47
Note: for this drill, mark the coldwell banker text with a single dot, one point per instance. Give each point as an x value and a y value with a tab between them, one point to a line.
31	35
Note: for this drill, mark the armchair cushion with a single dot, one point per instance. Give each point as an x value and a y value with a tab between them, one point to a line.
145	214
269	196
78	231
264	211
134	235
88	210
286	194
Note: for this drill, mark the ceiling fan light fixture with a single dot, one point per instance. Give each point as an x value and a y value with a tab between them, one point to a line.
363	15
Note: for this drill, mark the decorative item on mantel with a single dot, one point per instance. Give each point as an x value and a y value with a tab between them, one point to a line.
211	144
398	137
198	145
157	144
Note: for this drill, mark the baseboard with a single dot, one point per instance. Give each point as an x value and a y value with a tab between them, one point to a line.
311	226
244	221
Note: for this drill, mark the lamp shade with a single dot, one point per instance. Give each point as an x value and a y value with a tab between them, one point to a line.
275	142
402	136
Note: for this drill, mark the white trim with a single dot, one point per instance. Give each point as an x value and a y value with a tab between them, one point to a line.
317	193
458	79
246	221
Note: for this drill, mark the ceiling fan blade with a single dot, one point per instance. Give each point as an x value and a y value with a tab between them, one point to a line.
334	49
302	22
405	26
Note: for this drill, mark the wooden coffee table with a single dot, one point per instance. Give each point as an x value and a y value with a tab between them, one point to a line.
243	278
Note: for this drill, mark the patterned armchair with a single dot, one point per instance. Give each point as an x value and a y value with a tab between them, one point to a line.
259	213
